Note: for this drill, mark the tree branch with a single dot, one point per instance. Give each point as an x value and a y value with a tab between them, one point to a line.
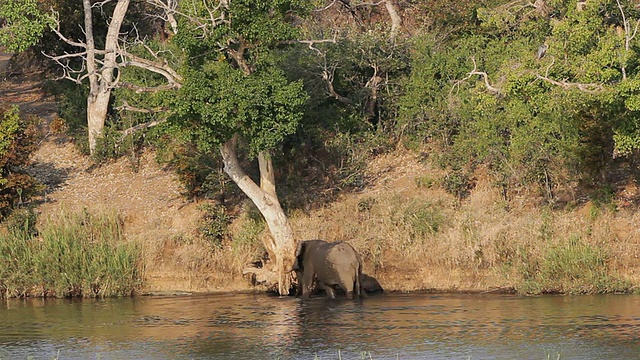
142	126
473	72
589	88
126	107
55	16
161	68
327	76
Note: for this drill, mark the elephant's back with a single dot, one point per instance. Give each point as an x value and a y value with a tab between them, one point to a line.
342	253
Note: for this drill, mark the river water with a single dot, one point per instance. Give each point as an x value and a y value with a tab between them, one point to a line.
389	326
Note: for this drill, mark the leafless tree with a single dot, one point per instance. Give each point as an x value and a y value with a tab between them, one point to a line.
102	67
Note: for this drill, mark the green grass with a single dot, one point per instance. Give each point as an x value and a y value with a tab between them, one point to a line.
72	255
573	267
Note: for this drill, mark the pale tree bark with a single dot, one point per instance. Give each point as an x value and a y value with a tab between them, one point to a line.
396	20
282	244
101	79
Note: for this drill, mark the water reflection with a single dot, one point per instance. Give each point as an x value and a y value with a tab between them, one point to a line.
416	326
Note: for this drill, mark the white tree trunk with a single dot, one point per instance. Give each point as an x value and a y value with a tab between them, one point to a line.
97	107
264	197
101	76
396	20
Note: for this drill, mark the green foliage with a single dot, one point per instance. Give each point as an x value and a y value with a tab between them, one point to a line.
542	122
214	224
18	139
424	218
246	241
74	255
262	25
71	100
238	90
219	101
25	24
22	223
457	183
425	181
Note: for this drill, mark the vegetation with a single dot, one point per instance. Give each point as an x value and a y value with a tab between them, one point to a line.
538	99
72	255
18	138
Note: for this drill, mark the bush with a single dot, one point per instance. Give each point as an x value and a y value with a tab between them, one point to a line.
18	139
215	223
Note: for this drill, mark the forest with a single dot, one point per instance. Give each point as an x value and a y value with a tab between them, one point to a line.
540	101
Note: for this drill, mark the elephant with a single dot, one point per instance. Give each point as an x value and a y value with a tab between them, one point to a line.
335	265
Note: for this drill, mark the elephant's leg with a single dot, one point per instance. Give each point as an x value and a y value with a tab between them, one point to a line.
350	294
299	287
331	292
307	283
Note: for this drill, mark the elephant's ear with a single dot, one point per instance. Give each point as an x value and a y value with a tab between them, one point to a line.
297	265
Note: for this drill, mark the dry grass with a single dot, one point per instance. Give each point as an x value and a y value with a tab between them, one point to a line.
417	238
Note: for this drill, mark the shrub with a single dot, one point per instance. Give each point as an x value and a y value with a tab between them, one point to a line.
215	223
18	139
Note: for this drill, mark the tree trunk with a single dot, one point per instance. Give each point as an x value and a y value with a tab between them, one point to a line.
266	200
97	107
101	78
396	20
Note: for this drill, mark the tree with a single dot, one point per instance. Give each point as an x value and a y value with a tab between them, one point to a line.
234	93
260	106
97	60
102	67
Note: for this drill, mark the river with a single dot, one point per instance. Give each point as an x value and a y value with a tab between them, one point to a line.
389	326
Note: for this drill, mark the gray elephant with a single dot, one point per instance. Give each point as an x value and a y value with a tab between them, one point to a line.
333	265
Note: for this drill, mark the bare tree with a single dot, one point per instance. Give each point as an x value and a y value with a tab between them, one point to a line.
101	67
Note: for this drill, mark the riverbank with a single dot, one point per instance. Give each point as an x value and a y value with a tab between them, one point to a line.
411	234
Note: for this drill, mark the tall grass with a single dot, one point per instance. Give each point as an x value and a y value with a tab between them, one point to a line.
80	254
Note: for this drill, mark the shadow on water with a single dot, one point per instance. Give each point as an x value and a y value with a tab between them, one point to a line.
386	326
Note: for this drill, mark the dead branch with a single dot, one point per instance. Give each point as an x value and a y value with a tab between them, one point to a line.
142	126
360	4
126	107
56	30
311	43
396	20
169	9
161	68
327	76
473	72
629	34
589	88
148	89
326	7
